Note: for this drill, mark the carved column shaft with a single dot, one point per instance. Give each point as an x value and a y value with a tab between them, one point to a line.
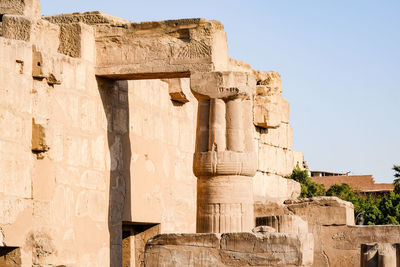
225	161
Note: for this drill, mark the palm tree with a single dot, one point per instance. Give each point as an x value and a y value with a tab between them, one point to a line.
396	180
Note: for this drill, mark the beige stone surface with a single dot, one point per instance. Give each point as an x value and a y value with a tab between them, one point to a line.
234	249
29	8
284	223
323	210
341	245
30	29
269	208
379	254
170	49
322	214
271	187
107	123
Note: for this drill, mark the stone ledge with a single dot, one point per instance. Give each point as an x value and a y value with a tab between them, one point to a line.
230	249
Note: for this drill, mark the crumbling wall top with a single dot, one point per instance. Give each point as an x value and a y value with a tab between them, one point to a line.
30	8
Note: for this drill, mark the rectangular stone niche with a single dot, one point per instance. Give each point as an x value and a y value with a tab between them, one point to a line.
10	257
134	239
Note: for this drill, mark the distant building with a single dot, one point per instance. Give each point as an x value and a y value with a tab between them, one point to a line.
361	184
324	173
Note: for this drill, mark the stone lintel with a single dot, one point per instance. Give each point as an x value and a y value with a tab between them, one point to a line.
176	46
145	76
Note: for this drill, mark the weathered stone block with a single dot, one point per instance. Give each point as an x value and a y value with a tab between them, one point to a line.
270	111
222	84
379	255
233	249
37	31
177	90
323	210
268	83
284	223
77	40
275	188
29	8
45	65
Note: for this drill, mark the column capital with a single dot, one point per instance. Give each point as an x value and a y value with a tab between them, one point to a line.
223	84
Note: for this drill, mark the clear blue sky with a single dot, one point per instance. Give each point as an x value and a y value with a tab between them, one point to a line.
339	61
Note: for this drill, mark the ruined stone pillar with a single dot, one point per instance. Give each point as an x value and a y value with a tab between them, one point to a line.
225	161
378	255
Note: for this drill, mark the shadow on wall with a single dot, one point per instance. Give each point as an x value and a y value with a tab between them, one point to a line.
116	109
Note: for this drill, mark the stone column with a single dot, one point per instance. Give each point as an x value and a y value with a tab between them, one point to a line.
225	161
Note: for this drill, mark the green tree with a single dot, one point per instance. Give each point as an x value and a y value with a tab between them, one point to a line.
342	191
308	187
396	180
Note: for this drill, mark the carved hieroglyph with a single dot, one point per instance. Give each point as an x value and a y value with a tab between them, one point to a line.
225	159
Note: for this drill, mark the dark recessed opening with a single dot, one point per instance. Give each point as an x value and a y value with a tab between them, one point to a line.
134	238
10	256
1	17
38	64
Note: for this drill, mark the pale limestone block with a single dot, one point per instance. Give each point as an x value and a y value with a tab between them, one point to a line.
274	188
15	175
77	151
173	131
298	158
159	125
268	111
69	76
136	121
98	148
284	109
10	208
92	204
88	114
42	209
29	8
67	175
93	180
69	254
323	210
286	223
56	141
41	102
62	206
268	83
77	40
289	136
73	110
261	249
177	91
80	77
12	125
186	137
29	29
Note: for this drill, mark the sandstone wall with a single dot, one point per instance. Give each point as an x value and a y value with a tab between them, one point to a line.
341	245
82	156
274	140
54	158
323	213
162	136
76	150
